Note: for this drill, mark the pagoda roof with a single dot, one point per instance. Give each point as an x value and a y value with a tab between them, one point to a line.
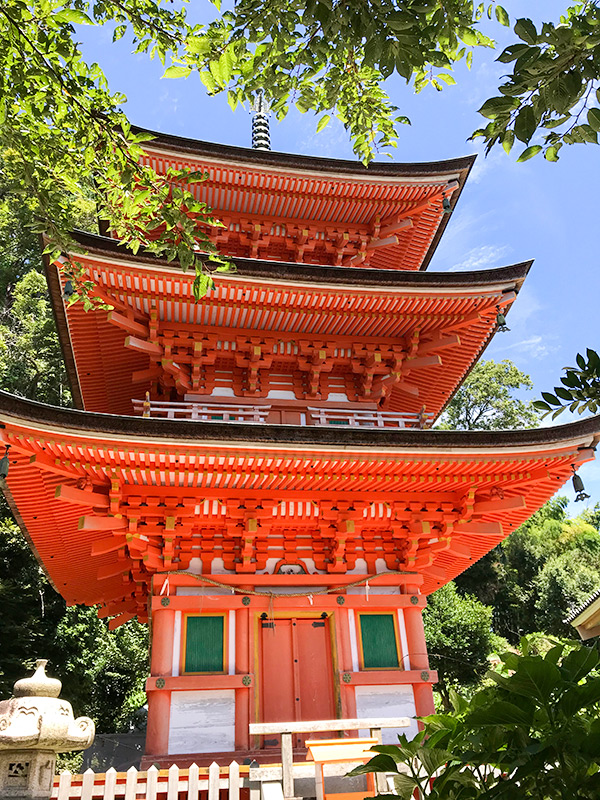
278	199
276	299
482	484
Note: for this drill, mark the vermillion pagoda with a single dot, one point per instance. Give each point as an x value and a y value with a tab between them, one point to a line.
256	473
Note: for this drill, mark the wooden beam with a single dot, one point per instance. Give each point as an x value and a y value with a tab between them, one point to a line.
80	497
439	343
150	348
501	504
102	546
480	528
437	573
193	682
93	523
117	607
112	570
408	388
506	298
116	622
54	465
395	226
143	375
422	361
459	549
468	319
127	324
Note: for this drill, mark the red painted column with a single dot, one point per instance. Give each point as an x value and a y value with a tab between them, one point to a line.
342	625
242	667
419	660
161	664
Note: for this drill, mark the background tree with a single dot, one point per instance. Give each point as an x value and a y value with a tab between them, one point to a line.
486	400
103	672
538	574
70	136
553	86
460	640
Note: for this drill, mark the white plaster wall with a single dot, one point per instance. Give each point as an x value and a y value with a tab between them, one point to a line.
202	722
387	701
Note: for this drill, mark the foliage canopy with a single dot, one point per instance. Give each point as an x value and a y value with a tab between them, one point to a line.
486	400
533	734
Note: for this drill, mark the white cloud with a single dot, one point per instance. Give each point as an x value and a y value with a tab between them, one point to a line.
487	255
533	347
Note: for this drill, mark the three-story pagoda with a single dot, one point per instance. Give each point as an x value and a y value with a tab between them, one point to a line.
256	473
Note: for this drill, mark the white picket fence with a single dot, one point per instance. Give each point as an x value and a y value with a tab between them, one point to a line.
153	784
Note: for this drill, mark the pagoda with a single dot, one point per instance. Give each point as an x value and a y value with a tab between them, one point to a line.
256	474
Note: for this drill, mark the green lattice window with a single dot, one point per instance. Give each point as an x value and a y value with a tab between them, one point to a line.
379	641
204	643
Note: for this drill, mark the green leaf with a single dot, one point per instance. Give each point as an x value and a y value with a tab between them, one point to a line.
73	15
380	763
468	36
526	30
579	663
540	405
176	72
525	124
496	106
323	122
433	758
563	393
529	152
550	398
226	63
198	45
208	80
593	118
551	153
502	16
508	139
511	53
501	713
534	678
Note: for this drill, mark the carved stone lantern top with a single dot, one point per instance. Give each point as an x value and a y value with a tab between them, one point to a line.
35	718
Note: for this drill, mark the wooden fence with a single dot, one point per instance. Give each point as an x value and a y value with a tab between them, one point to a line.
153	784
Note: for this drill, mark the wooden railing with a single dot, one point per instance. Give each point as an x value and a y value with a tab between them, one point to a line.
152	784
321	416
357	418
204	412
287	729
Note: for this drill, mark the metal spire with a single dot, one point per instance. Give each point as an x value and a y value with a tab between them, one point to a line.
261	139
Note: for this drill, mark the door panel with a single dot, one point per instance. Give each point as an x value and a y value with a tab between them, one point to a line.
296	673
315	670
277	679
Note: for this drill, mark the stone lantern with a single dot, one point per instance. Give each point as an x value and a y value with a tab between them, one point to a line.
35	725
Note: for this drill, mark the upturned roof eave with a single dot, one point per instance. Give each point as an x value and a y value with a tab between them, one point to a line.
312	164
342	168
345	277
20	411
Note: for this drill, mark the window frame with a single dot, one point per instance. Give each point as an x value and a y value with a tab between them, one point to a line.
224	615
361	657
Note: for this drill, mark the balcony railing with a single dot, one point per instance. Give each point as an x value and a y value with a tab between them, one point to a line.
203	412
359	418
311	415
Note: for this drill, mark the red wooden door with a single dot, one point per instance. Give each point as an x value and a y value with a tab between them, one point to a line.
296	672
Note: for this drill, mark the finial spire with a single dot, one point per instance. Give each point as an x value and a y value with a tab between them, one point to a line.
261	139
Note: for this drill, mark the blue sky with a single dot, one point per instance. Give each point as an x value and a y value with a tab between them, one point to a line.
507	213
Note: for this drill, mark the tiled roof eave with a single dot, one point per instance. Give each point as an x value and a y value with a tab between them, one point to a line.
17	409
